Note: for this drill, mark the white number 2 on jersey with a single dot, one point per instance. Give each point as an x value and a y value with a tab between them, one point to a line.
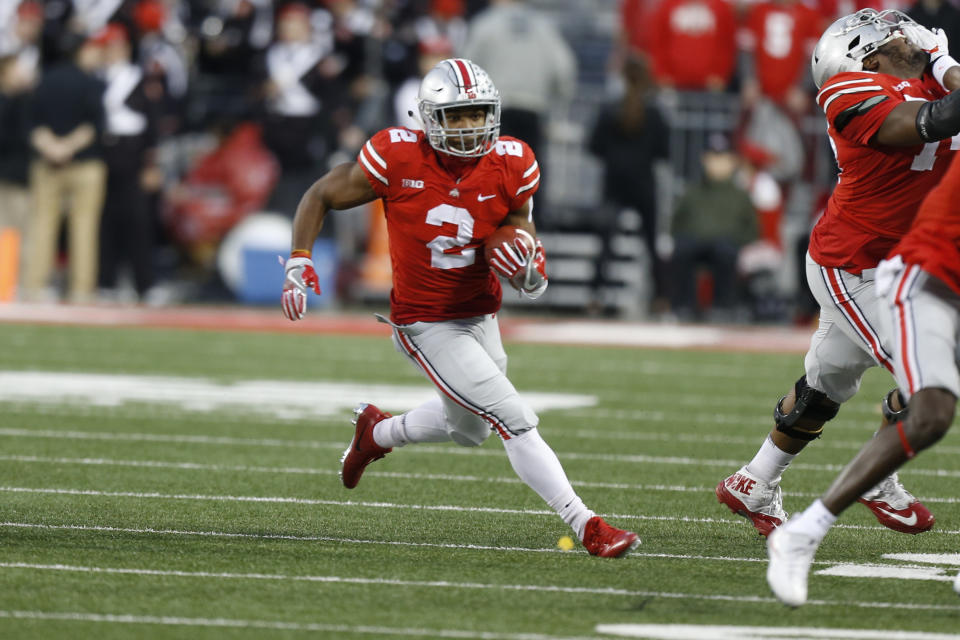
439	259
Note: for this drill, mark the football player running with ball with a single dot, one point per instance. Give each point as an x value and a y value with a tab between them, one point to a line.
919	289
885	85
446	190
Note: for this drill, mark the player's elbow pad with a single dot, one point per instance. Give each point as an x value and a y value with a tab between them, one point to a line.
939	119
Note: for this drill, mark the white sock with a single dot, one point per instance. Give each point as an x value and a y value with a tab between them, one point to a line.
426	423
814	522
537	465
770	462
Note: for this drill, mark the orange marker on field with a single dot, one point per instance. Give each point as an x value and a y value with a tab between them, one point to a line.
9	263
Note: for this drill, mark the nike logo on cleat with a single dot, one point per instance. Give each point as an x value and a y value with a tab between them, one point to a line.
741	484
912	520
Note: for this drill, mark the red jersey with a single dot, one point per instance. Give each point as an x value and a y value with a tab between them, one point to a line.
437	221
782	37
879	189
933	242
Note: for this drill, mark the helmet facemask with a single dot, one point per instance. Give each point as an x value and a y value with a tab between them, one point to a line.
467	142
886	24
458	84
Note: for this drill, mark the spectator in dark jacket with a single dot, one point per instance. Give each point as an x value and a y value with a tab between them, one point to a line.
938	13
127	226
628	138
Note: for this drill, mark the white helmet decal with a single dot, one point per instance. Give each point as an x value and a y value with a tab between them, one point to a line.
454	83
849	40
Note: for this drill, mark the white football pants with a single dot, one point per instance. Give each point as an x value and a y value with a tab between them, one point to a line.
923	314
465	361
851	337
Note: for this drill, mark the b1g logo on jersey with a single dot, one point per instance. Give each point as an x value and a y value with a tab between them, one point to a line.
902	86
413	184
509	148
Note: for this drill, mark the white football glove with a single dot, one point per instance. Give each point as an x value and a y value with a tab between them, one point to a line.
299	276
531	280
933	41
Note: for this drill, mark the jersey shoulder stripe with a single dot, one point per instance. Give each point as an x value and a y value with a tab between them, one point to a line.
841	81
369	158
858	109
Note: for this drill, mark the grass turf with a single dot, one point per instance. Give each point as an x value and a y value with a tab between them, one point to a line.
134	521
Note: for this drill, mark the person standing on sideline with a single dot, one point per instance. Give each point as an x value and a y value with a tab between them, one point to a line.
919	290
129	149
67	118
885	85
534	66
446	189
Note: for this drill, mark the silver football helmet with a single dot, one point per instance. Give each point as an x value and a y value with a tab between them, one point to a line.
849	40
454	83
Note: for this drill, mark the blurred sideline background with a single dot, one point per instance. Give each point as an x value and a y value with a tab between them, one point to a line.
218	114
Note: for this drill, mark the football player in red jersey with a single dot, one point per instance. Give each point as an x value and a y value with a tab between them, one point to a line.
885	85
445	190
919	289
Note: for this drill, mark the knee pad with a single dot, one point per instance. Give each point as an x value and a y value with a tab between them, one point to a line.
889	415
811	409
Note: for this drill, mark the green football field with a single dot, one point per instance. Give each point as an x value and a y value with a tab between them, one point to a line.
183	484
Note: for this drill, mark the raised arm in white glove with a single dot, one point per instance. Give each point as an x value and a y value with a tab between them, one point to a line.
934	42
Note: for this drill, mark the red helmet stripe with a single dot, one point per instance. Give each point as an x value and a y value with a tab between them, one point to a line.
464	72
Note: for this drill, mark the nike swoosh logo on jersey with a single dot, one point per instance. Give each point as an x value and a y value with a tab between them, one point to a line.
481	198
912	520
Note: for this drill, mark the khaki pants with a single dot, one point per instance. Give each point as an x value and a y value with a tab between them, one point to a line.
14	206
81	186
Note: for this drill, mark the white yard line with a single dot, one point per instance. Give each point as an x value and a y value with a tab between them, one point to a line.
445	584
726	632
196	466
278	625
418	449
386	505
699	438
912	559
395	543
267	536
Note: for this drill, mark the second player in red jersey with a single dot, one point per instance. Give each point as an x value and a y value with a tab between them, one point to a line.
879	186
885	87
918	287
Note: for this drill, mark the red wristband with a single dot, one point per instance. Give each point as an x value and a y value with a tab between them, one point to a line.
300	253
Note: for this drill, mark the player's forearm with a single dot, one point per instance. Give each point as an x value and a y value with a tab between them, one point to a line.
951	78
308	220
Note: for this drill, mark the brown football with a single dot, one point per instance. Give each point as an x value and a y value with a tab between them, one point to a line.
506	233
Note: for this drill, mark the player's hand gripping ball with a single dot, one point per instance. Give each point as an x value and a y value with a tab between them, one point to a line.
508	249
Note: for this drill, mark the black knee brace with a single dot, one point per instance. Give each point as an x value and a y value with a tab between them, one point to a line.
811	409
891	416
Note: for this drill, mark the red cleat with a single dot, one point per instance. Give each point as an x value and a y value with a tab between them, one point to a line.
363	448
759	502
896	508
600	539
